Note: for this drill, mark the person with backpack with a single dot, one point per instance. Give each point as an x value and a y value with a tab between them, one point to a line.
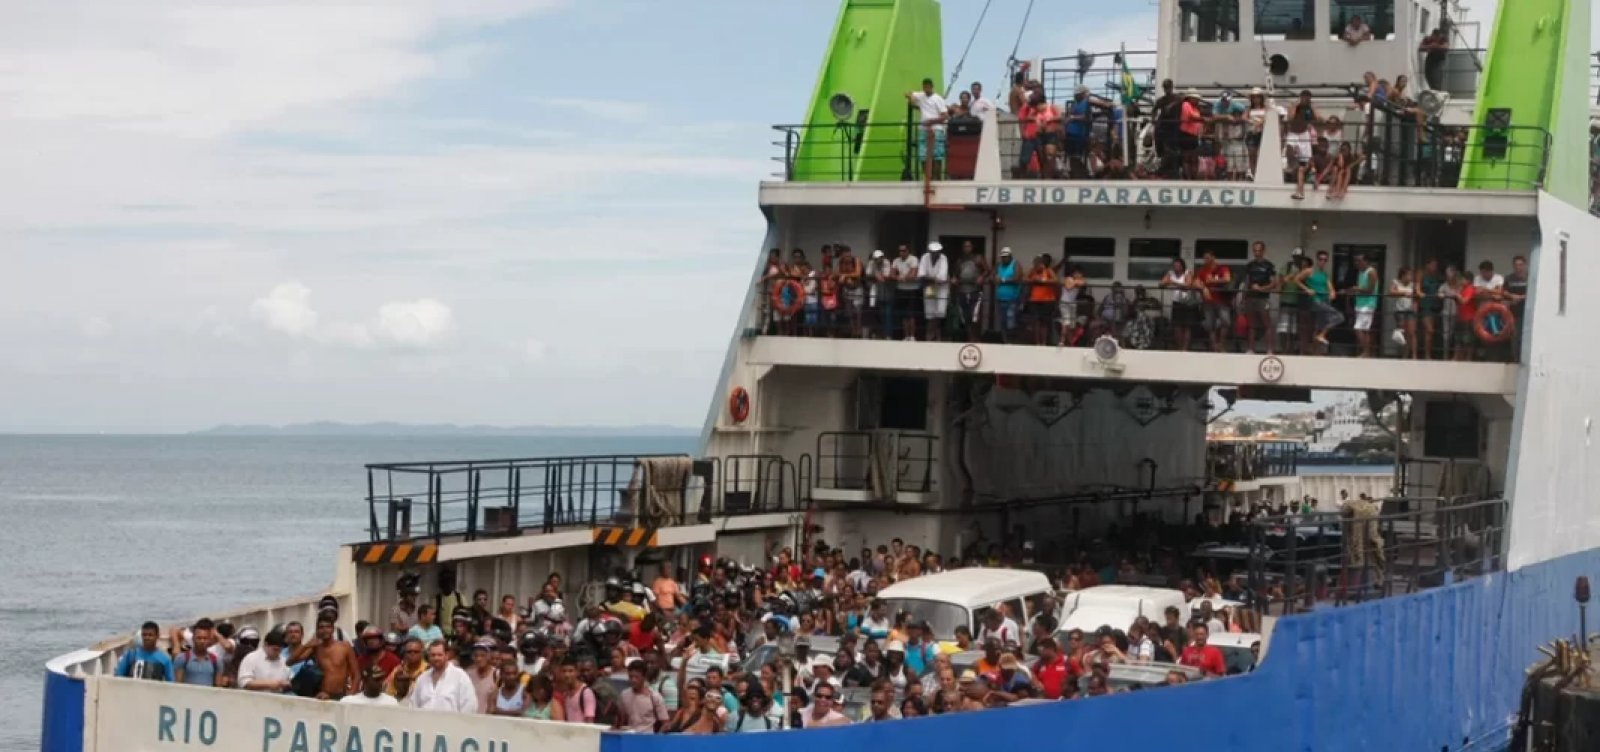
753	714
577	699
197	663
146	660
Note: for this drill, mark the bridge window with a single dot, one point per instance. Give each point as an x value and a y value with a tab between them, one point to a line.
1209	20
1378	15
1150	258
1286	19
1097	257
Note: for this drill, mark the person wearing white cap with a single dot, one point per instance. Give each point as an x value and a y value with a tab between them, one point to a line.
880	294
934	270
894	669
1007	291
1256	115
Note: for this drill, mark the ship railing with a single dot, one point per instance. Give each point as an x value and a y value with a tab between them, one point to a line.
1301	562
471	499
762	483
881	466
1142	315
1245	459
1111	75
101	658
851	150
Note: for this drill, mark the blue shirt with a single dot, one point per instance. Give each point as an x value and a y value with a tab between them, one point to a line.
138	663
199	669
1008	290
427	635
918	657
1079	109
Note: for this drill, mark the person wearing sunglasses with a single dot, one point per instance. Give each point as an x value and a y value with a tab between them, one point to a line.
822	712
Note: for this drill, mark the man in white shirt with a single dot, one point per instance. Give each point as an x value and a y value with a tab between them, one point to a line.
980	105
1488	281
934	113
1357	31
264	670
444	686
1000	627
907	291
371	689
934	269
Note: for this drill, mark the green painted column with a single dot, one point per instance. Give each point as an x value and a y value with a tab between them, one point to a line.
880	49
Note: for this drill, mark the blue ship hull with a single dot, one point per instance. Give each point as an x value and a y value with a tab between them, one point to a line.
1423	672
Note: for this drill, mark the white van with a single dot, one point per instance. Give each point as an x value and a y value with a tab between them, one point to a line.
1117	606
962	597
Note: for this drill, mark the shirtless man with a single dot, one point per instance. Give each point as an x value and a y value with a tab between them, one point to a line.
340	674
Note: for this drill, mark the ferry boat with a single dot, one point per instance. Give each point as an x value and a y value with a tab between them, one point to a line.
1062	426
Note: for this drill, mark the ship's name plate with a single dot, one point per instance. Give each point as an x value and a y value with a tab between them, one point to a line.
1131	196
128	715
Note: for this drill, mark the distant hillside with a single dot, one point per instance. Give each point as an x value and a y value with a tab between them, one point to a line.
326	428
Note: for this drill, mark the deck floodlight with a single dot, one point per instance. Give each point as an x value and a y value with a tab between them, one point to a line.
842	107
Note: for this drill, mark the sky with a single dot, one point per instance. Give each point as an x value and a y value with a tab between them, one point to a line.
472	211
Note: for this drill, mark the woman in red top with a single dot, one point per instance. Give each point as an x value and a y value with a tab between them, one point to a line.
1190	124
1041	298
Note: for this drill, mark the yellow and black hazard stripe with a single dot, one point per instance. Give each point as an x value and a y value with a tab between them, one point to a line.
625	536
376	554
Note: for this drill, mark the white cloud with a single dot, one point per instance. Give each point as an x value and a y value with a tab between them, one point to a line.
419	323
287	309
208	67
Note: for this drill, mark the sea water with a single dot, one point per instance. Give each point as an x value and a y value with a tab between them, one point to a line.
100	533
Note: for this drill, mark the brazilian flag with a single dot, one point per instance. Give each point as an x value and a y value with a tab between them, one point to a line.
1130	85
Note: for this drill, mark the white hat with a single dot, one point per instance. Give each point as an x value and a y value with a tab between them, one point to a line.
895	646
818	661
877	254
1082	89
1193	93
1005	251
1256	91
936	246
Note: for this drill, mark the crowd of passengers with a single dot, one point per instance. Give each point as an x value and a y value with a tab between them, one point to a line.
624	662
1185	136
1254	307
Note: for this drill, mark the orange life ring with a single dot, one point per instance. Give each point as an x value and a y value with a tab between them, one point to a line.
739	404
1503	326
788	304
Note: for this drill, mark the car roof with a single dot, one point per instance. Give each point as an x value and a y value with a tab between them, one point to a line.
1234	639
972	587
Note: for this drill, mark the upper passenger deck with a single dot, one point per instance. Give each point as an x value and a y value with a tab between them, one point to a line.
1401	108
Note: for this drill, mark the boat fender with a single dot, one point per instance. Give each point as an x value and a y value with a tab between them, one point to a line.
739	404
1494	323
788	297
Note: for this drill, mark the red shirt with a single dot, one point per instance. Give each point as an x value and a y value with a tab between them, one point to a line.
1208	659
1214	280
1030	127
1053	676
639	638
1468	309
386	660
